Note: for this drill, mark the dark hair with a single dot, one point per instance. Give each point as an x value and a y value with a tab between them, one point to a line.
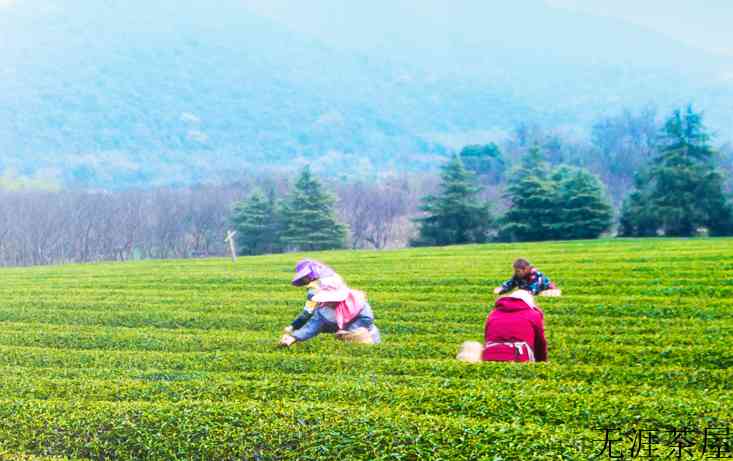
304	280
521	264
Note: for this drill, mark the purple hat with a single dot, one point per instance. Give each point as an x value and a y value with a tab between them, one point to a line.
312	268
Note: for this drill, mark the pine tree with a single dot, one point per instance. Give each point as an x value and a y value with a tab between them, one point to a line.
584	211
485	161
455	216
638	218
308	217
678	172
718	208
684	188
532	194
256	224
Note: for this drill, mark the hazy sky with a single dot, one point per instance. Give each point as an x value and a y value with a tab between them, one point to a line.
706	24
703	24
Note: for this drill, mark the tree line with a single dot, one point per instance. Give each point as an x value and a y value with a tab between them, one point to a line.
308	217
482	194
679	192
54	227
38	227
545	203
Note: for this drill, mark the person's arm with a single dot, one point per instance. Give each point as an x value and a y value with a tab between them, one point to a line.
507	286
545	283
312	327
302	319
308	309
539	283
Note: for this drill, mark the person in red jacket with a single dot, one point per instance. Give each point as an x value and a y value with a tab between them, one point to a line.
515	330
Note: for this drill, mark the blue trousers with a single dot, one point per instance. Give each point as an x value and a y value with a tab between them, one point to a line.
323	320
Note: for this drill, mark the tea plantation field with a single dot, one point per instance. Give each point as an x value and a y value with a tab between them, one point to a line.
177	359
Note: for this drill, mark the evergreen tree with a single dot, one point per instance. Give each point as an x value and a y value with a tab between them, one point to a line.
485	161
532	194
719	208
309	221
678	172
584	211
255	221
455	216
684	188
638	218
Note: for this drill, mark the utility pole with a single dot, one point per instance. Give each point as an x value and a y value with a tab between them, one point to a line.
230	240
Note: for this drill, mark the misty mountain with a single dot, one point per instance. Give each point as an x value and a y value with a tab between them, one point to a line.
114	94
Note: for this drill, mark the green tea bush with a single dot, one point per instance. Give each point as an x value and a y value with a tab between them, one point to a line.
177	359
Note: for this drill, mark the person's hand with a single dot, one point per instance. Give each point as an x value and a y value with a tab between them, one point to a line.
497	290
287	340
288	329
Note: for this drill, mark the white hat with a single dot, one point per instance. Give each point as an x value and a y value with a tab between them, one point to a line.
332	294
524	295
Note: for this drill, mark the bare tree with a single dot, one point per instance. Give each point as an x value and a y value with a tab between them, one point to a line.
378	214
89	226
